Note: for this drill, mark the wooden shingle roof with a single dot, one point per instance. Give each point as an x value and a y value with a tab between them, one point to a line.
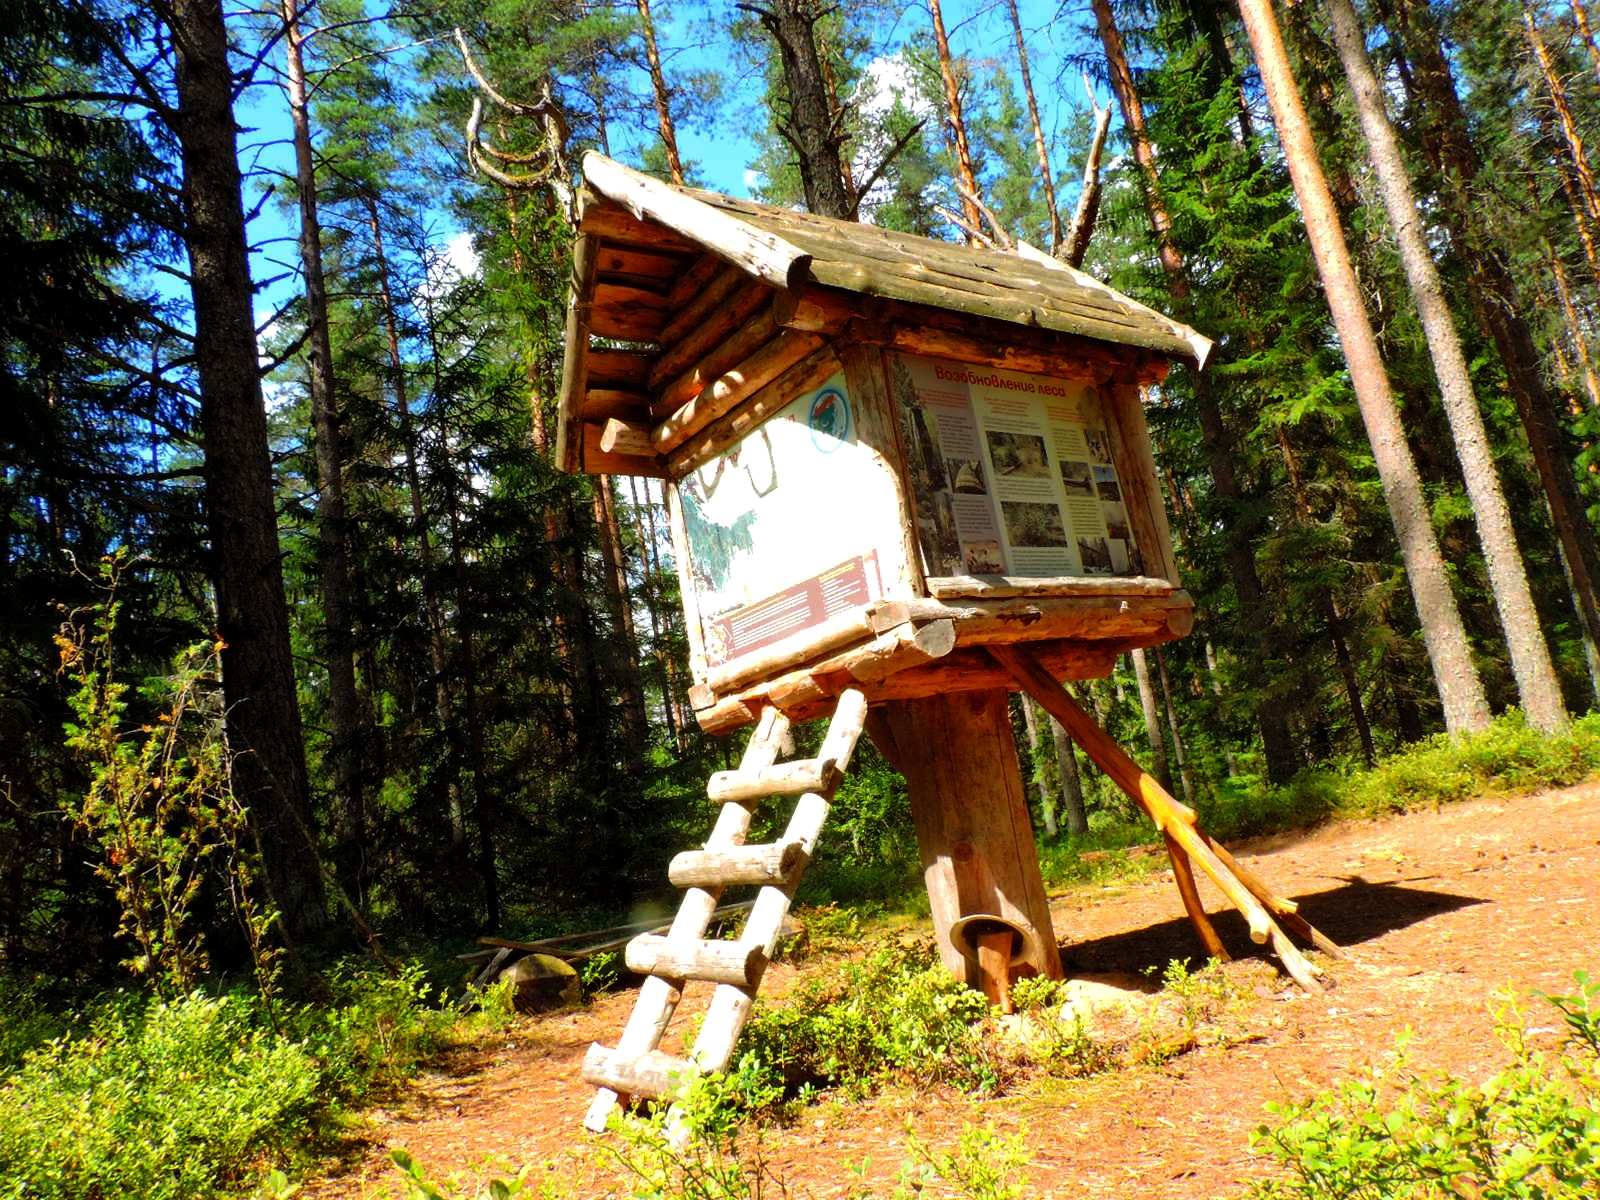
687	303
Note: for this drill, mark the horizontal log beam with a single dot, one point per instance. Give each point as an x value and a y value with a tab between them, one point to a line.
628	314
1006	586
651	1075
755	251
723	395
717	323
619	437
610	367
737	963
597	460
962	670
720	358
781	779
693	281
741	865
806	375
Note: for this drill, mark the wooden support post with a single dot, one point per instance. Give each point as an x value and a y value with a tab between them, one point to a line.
1175	820
971	814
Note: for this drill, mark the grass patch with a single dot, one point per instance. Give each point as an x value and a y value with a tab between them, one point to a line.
1508	758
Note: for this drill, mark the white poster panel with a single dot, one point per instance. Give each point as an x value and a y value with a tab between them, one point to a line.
787	528
1012	474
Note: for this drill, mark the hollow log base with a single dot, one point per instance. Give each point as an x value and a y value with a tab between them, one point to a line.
959	759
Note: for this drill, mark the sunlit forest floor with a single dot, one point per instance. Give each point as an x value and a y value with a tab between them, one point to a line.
1441	912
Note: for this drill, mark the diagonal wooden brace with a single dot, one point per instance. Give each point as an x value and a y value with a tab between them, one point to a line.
1176	821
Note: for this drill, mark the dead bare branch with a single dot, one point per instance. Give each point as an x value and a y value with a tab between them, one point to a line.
1076	244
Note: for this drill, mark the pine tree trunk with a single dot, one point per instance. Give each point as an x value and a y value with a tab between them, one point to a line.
1046	176
1160	767
1071	779
810	127
1575	327
333	518
1495	300
1256	617
658	86
956	125
1537	687
1460	690
1571	130
1581	19
263	717
1047	804
1185	776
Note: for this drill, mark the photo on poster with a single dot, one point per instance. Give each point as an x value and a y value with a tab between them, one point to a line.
1029	524
1121	561
1116	515
936	525
922	452
966	476
1076	479
1021	455
1099	445
983	558
1105	480
1095	556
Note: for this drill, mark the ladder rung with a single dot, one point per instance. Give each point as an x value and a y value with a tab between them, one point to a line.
651	1075
781	779
763	864
737	963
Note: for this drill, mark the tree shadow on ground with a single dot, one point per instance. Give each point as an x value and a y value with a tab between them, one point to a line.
1357	912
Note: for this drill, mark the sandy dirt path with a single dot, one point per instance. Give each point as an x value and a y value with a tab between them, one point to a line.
1438	910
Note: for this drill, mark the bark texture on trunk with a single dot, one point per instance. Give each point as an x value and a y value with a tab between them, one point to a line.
263	722
809	127
1256	617
1530	657
1160	766
333	517
955	123
663	96
1460	690
1046	178
1498	307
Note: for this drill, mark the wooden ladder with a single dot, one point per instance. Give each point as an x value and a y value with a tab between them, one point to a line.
636	1066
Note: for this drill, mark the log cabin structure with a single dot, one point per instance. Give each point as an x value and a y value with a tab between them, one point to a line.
904	479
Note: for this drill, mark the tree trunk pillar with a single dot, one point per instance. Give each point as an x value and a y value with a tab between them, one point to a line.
959	758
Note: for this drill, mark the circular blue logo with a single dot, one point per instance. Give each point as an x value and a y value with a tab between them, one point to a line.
829	420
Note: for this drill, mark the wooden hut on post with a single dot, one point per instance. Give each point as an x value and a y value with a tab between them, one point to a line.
904	479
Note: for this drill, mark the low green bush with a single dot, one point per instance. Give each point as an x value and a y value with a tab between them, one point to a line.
174	1099
374	1030
27	1019
896	1010
196	1096
1530	1131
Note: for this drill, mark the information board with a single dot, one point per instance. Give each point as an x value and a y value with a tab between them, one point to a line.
1011	474
789	527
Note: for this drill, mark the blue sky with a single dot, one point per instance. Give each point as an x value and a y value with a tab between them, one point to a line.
980	29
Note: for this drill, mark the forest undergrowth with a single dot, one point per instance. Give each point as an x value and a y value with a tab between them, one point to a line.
218	1090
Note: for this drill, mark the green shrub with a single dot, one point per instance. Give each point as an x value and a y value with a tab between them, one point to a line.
375	1029
1532	1130
893	1011
173	1099
26	1020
